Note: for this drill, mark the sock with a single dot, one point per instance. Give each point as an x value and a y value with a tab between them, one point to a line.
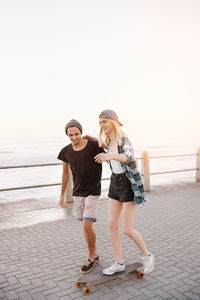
148	254
91	258
120	263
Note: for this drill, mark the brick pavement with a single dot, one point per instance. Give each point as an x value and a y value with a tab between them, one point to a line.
42	261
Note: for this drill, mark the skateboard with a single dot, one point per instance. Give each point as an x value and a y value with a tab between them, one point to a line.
98	276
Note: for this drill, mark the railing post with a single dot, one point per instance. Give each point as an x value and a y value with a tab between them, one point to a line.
145	171
198	166
68	192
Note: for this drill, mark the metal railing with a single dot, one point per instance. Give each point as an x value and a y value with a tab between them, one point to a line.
145	170
31	166
174	171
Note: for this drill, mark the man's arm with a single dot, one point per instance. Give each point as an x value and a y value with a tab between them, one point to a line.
65	179
91	138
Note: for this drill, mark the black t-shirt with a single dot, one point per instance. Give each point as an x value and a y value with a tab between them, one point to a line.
86	172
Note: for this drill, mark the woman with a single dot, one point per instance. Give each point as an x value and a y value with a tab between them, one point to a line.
125	191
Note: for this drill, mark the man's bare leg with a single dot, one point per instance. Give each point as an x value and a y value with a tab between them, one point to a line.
90	237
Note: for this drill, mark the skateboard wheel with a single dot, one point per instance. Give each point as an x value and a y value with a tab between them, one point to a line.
77	283
140	275
86	290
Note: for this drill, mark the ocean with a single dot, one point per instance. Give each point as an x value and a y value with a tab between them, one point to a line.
36	150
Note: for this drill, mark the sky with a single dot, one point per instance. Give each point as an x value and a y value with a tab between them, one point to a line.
67	59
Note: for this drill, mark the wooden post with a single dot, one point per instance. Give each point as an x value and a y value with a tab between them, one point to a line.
198	166
68	192
145	171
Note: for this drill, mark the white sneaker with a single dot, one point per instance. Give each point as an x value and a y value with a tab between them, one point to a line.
116	267
148	263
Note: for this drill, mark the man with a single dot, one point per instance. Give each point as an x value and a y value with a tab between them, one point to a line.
79	155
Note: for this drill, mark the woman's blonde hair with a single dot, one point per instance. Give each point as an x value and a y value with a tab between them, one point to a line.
104	138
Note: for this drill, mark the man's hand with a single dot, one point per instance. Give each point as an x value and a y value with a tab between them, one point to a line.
62	203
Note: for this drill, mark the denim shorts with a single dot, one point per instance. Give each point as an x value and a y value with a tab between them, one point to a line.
120	188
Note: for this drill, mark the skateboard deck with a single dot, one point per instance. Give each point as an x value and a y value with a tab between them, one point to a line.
98	276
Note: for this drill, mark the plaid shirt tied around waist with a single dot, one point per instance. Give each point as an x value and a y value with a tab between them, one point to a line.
131	170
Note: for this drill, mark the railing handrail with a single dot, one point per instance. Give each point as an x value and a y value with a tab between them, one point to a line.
174	155
56	164
31	166
145	173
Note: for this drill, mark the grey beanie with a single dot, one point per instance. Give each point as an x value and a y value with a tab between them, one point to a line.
73	123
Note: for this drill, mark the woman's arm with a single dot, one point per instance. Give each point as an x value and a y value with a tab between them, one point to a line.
127	149
101	157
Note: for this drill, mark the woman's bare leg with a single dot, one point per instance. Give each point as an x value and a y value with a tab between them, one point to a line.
115	208
129	209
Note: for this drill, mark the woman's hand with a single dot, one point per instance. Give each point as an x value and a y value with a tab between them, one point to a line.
101	157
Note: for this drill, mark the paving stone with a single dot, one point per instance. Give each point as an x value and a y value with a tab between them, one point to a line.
196	290
13	280
163	294
37	282
64	284
163	280
11	287
159	298
133	291
2	279
64	292
13	273
52	297
195	276
124	297
155	286
51	291
141	297
192	296
191	282
67	298
23	275
108	296
62	277
38	297
184	288
50	283
25	296
147	292
177	295
2	294
11	295
169	287
25	288
38	290
177	281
